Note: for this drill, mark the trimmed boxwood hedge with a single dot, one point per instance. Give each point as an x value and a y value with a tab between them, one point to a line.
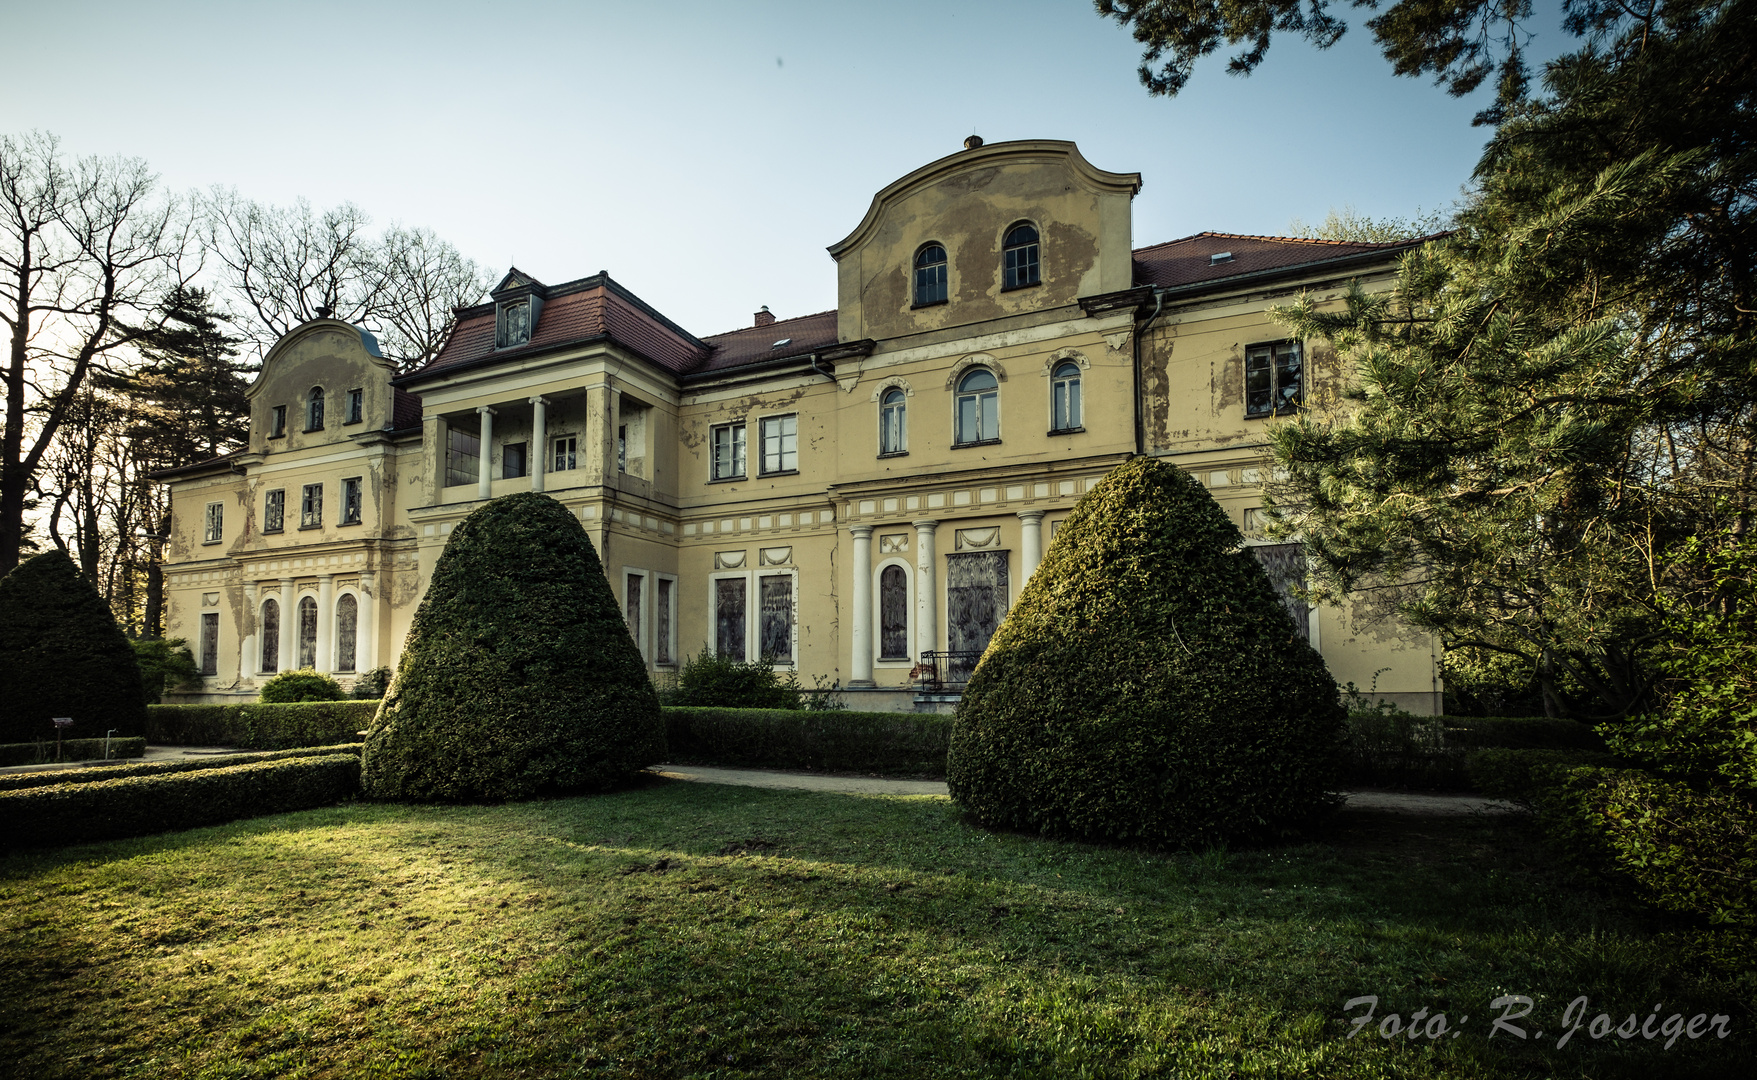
1434	753
62	654
139	805
1148	686
518	675
93	774
258	726
911	744
39	753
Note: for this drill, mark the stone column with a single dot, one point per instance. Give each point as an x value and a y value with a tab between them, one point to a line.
247	651
365	623
326	622
1031	542
539	440
485	463
927	633
289	624
861	632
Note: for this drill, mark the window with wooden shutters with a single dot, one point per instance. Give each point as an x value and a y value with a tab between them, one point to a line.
893	613
347	631
307	632
777	617
271	637
729	617
210	643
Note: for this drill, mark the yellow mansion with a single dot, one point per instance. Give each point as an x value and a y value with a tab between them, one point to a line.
859	494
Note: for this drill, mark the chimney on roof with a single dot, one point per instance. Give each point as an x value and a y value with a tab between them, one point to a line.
763	318
972	142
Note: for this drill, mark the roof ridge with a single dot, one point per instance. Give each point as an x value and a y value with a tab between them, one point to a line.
1279	239
777	322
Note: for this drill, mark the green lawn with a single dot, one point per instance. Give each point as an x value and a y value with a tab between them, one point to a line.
695	930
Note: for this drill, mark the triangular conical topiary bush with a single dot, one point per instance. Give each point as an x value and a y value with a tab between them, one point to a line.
62	654
1148	686
518	676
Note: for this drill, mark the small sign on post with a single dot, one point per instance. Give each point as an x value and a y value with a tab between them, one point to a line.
61	723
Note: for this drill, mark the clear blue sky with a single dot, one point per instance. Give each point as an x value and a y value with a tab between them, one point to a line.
706	153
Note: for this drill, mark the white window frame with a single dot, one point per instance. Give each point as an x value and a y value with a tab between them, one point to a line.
354	411
762	428
1056	382
741	447
311	517
359	487
902	408
958	393
878	613
213	523
753	612
572	453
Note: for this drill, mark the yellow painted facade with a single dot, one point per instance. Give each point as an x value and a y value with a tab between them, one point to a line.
748	496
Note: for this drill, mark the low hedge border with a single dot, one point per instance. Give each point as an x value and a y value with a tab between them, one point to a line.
140	805
908	744
49	778
42	753
1434	753
259	726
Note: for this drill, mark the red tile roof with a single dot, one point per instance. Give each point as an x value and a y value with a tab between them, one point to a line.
405	410
1189	261
753	344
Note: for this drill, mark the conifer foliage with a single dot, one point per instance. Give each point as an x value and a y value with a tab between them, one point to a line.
62	654
519	675
1148	686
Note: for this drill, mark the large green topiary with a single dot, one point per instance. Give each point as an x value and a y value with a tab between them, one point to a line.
518	675
1148	686
62	654
301	684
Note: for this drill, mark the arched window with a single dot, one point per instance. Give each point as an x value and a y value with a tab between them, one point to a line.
893	613
1065	392
978	407
307	632
271	637
347	628
893	423
1020	257
930	275
314	409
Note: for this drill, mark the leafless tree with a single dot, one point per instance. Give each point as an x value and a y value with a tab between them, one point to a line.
88	247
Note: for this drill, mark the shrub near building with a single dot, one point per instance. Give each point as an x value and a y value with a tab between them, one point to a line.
1148	686
62	654
519	675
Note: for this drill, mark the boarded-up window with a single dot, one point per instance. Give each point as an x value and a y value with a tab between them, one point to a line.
1286	566
271	637
893	613
976	597
210	643
307	633
632	605
662	621
729	617
347	631
777	628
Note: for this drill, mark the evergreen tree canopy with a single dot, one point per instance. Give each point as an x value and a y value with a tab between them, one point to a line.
519	675
62	654
186	402
1565	390
1148	686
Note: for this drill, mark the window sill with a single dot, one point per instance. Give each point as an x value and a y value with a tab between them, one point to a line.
726	480
344	523
979	442
304	528
309	430
894	453
1066	430
275	435
780	472
351	423
930	303
273	532
1272	415
1027	285
206	543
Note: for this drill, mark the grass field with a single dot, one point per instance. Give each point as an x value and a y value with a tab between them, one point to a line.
696	930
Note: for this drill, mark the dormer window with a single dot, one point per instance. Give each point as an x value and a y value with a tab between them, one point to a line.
930	275
515	323
1020	264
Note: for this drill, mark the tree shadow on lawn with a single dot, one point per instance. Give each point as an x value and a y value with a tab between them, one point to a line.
681	928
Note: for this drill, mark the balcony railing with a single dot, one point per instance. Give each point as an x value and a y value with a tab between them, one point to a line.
943	670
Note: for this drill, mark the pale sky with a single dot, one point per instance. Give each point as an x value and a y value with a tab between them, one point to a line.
706	154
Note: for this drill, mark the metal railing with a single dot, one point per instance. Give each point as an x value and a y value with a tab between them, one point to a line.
942	669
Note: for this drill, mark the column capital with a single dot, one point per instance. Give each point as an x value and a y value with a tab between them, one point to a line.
1035	516
326	578
288	583
485	410
538	399
929	524
861	532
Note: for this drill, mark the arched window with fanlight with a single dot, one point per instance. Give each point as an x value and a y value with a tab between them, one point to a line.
347	631
314	409
1065	397
1019	257
893	422
307	631
271	637
930	275
978	405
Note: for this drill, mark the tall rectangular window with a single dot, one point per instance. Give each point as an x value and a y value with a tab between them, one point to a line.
351	501
622	448
462	450
729	616
777	617
210	643
274	511
894	613
565	456
727	443
356	406
277	422
780	435
662	589
213	523
1273	379
512	460
632	605
311	507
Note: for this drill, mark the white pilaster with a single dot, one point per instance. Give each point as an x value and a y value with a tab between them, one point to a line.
539	455
861	632
485	463
927	632
247	651
289	624
1031	541
326	622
